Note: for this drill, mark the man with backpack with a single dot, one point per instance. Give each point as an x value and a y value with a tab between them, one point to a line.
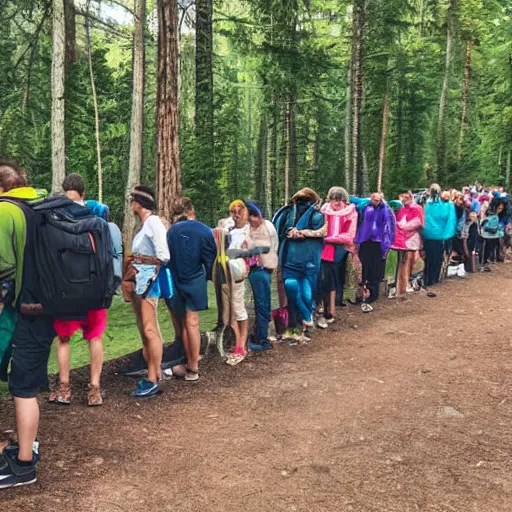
94	323
32	332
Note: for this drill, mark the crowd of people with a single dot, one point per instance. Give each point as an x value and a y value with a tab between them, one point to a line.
313	250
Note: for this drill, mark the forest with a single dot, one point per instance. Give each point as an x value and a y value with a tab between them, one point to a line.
226	99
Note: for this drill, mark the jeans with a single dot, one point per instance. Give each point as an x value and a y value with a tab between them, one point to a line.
434	251
299	290
260	284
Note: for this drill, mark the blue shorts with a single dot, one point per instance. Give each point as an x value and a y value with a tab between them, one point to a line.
189	296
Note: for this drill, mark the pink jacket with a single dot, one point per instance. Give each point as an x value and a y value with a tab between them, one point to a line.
409	222
341	229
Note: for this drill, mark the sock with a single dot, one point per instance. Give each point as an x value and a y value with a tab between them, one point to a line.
23	463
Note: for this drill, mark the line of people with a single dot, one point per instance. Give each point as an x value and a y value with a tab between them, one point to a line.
309	250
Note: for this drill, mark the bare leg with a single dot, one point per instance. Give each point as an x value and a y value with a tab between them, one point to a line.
27	423
154	342
192	339
64	359
96	351
177	322
332	303
244	333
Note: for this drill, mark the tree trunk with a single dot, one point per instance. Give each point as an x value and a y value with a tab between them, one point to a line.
95	103
441	132
383	138
270	169
357	90
261	164
70	20
58	88
137	119
507	175
291	150
348	130
204	151
273	160
465	99
168	149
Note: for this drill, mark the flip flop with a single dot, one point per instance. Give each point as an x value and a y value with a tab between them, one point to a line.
192	375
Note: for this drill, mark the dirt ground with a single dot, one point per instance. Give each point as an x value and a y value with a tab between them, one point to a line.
405	409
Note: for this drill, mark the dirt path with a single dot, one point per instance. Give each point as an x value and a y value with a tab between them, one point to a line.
406	409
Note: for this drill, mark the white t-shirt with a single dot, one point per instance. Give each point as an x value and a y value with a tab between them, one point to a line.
151	240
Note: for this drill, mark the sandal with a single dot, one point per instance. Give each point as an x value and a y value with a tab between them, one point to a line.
62	395
192	375
366	308
94	398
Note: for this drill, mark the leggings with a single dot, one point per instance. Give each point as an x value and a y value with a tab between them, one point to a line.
299	291
434	251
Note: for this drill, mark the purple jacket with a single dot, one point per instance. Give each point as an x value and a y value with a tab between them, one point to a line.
377	224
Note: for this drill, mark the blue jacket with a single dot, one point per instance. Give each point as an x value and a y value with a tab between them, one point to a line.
192	249
440	220
299	255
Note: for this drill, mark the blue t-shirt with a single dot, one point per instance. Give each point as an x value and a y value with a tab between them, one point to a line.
192	249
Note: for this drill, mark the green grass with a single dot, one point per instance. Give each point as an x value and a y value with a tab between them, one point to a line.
122	336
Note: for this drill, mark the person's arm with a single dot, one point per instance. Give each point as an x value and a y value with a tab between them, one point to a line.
314	233
158	235
8	261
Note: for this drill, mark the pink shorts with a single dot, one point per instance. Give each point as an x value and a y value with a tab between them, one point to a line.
92	328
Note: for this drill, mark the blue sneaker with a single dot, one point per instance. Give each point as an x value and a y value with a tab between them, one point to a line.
259	347
146	389
12	474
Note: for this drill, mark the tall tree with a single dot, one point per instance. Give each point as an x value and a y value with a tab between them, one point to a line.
465	99
383	139
441	128
58	89
137	117
348	130
204	112
95	104
168	149
358	23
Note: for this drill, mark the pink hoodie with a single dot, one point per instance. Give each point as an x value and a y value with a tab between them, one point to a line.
409	221
341	228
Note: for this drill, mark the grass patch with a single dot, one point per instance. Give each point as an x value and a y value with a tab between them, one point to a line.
122	336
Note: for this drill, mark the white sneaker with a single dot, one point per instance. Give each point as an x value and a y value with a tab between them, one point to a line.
321	322
410	289
330	320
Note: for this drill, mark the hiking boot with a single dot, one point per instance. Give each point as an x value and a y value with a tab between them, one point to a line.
62	395
146	389
321	322
14	474
94	398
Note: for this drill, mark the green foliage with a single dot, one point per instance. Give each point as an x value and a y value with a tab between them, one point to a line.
268	53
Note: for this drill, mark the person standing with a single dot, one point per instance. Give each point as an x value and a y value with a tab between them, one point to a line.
440	225
375	235
146	279
409	223
192	251
33	335
300	257
92	326
262	237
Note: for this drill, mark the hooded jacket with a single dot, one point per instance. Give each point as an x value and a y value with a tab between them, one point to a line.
302	255
340	229
409	222
377	224
440	220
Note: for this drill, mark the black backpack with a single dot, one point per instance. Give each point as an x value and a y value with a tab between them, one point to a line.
74	260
